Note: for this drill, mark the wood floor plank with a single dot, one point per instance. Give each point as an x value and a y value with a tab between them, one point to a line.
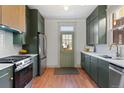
50	80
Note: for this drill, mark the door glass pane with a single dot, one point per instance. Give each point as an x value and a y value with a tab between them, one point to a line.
70	36
67	42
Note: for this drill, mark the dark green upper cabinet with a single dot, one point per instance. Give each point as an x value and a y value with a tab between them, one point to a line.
40	24
36	25
91	32
88	32
102	25
37	22
96	26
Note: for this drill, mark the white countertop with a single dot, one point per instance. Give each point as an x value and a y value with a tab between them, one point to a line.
116	62
3	66
32	55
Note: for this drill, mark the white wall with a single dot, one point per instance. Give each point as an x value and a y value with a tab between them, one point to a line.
6	44
52	32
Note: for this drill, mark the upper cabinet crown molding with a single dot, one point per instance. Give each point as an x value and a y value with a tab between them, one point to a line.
13	16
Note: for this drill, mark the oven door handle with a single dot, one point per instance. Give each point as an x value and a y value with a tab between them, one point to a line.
111	68
23	67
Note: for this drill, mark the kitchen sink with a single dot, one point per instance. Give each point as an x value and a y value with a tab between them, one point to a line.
113	58
106	56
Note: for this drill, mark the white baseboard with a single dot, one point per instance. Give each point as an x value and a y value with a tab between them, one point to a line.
78	65
56	66
53	66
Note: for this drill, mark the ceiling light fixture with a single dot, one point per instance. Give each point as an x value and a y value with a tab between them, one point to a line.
66	8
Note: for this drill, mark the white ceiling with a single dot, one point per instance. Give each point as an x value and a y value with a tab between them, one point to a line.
57	11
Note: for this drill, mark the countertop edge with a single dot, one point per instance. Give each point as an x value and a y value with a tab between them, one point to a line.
4	66
32	55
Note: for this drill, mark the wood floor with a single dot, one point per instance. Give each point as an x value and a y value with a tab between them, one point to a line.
49	80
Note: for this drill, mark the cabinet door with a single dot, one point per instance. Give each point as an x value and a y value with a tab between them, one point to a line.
83	60
103	73
88	38
91	33
6	78
35	66
102	25
88	32
14	16
40	24
96	27
96	35
87	63
94	14
28	28
33	25
94	68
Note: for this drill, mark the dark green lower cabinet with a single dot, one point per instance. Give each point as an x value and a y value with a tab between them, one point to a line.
94	69
87	63
83	60
97	69
6	78
35	66
103	73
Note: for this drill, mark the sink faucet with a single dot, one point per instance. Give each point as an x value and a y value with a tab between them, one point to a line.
117	53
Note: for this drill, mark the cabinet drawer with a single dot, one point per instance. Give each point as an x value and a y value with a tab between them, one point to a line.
6	70
6	78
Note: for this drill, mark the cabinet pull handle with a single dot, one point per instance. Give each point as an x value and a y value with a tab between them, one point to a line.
11	78
4	75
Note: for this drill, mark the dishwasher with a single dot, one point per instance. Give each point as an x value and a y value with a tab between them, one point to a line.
116	76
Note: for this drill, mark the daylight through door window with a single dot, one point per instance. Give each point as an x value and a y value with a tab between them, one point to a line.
67	28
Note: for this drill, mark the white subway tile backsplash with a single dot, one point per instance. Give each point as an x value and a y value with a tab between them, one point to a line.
105	49
1	39
6	44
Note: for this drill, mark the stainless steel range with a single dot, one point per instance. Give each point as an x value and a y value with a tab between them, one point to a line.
22	70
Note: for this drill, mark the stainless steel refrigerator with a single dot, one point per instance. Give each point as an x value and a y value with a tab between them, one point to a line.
42	52
38	46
